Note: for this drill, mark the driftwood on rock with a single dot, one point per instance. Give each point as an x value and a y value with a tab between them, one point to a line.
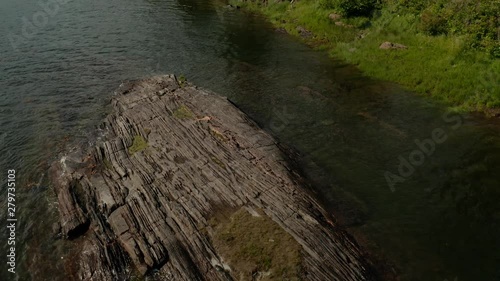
171	155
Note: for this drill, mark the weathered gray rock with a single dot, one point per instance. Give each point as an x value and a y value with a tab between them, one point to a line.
281	30
304	32
149	210
389	45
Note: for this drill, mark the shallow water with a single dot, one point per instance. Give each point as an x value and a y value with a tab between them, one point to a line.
441	222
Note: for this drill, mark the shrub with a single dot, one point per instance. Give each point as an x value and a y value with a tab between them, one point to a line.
433	23
353	8
182	80
350	8
327	4
477	20
495	51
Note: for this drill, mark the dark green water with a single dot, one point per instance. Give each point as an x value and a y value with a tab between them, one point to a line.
441	223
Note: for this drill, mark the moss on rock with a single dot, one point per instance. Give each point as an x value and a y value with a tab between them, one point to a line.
138	144
183	112
257	248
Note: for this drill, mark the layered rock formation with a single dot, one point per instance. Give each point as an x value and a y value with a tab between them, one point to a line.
172	155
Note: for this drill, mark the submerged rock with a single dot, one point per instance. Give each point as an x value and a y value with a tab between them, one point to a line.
150	210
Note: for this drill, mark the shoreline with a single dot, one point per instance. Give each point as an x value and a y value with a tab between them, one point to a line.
434	67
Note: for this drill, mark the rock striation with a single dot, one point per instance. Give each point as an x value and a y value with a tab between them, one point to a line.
147	210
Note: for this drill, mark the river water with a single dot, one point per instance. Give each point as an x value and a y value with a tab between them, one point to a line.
436	219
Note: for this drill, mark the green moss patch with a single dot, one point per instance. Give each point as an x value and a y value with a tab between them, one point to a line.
182	80
218	135
138	144
217	161
183	112
256	246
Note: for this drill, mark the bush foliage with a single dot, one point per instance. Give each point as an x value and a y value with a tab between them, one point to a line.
477	20
351	8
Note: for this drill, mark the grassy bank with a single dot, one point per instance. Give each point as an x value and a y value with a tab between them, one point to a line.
452	55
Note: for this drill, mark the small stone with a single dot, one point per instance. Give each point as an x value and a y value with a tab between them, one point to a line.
281	30
388	45
304	32
334	17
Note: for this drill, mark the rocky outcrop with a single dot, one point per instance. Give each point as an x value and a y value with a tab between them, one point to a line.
140	200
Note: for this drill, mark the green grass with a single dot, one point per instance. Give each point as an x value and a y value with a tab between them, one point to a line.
256	244
138	144
443	67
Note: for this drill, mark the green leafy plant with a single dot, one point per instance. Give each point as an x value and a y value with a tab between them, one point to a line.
433	22
182	80
350	8
357	7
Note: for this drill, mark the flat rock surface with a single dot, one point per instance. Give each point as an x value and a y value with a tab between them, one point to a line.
146	211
